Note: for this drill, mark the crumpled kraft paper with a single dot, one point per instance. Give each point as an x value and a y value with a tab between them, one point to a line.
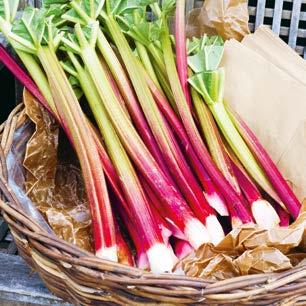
250	250
227	18
54	180
273	105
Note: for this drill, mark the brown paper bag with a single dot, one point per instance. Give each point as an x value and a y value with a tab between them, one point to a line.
276	51
273	104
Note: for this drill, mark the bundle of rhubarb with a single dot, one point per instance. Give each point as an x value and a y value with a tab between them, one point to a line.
165	157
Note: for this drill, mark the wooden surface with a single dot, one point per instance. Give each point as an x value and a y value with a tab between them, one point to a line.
20	286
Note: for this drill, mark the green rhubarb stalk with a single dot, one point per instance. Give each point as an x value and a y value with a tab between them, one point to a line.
211	86
112	110
176	162
78	13
230	195
32	34
214	140
145	59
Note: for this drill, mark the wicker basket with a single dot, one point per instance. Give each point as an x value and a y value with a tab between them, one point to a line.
83	279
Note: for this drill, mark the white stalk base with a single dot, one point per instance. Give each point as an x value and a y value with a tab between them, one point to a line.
215	229
264	214
108	253
160	258
196	233
217	204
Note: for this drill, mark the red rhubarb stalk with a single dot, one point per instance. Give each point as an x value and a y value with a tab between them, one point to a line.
181	248
73	119
194	136
263	213
212	195
214	140
284	216
22	76
278	182
175	205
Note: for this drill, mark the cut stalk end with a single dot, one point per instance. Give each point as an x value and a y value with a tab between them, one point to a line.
217	203
109	253
161	259
264	214
215	229
196	233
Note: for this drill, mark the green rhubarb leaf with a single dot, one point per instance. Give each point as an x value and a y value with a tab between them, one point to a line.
33	30
210	84
207	54
136	26
193	45
29	30
168	8
8	9
57	11
48	3
121	7
84	11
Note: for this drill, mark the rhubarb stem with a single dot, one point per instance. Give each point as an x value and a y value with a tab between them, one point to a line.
193	133
180	47
214	140
277	180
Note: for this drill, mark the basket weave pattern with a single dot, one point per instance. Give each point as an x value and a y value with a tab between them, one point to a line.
83	279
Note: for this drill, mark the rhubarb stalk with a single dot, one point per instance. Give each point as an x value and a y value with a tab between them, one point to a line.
180	47
72	118
134	195
211	193
177	164
214	140
277	180
263	213
191	129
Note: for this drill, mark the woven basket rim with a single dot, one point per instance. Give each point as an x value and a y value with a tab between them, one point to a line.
79	277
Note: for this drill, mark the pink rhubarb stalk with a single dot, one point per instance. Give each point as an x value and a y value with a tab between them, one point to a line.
180	47
212	195
263	213
278	182
194	136
284	216
214	140
181	248
176	207
22	76
74	122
